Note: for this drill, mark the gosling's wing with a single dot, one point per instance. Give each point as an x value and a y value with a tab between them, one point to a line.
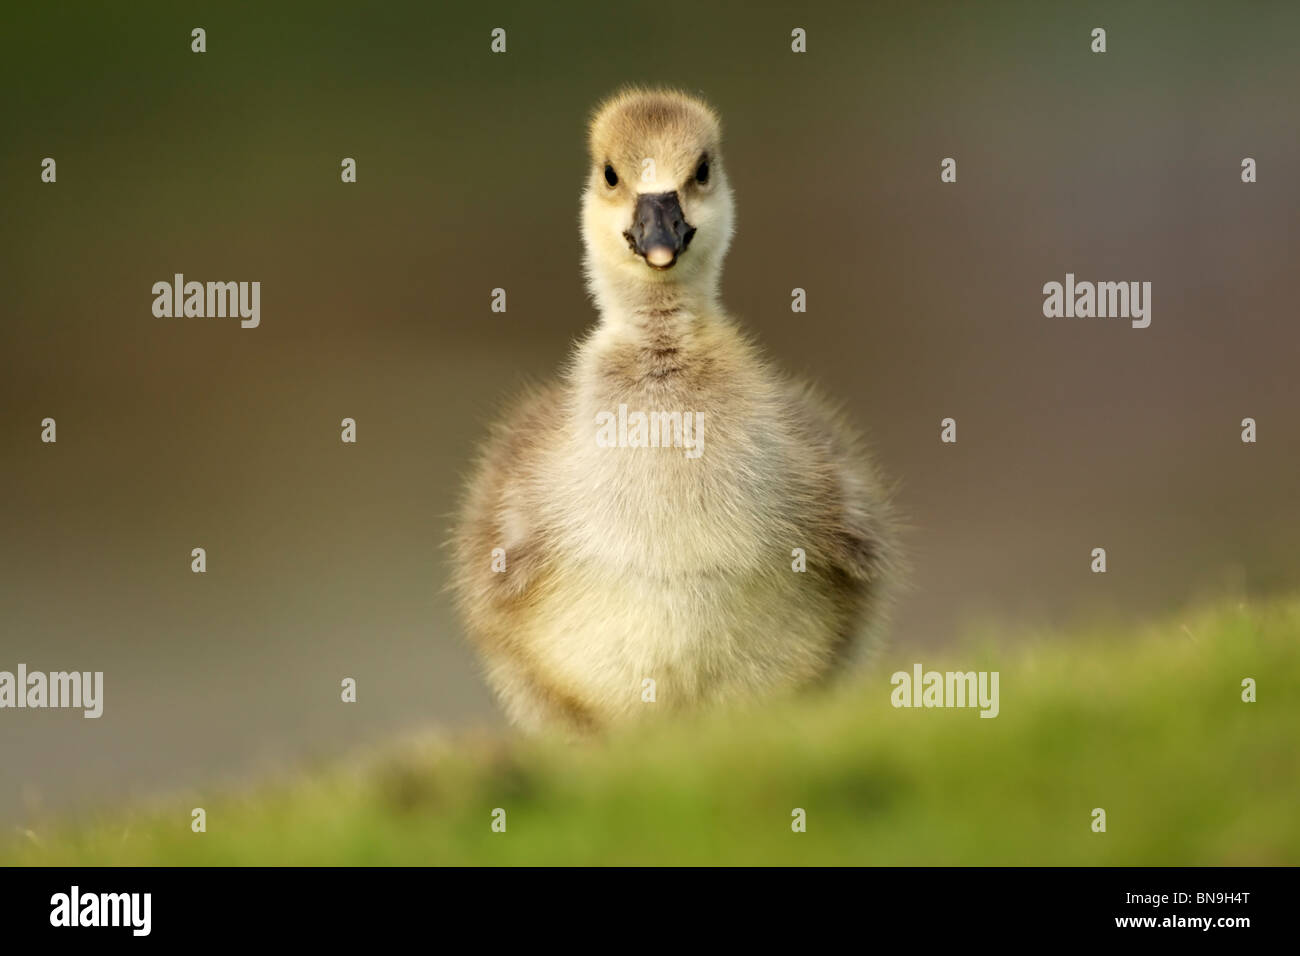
857	527
498	541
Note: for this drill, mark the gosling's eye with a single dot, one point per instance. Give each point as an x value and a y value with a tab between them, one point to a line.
611	177
702	172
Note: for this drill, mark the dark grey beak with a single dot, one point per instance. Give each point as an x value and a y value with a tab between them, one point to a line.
659	232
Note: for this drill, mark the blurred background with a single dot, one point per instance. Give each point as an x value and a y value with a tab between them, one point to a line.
325	560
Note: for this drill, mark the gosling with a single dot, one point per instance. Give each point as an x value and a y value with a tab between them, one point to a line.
672	524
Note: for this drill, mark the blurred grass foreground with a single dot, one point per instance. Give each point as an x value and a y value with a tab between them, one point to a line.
1147	724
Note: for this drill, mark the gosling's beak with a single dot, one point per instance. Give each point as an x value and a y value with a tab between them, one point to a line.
659	230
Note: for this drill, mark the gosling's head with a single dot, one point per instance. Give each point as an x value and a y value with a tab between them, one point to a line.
657	209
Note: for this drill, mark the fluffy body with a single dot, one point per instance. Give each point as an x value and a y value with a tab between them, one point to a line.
627	564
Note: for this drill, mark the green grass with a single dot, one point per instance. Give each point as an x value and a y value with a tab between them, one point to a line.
1146	723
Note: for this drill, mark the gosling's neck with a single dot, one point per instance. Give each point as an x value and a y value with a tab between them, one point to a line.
650	312
658	341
